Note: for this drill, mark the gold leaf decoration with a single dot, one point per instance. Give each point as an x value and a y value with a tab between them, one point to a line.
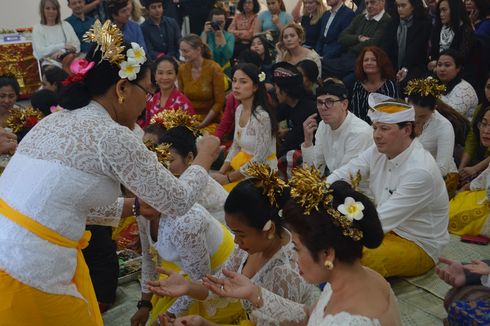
109	40
268	180
170	118
24	118
425	87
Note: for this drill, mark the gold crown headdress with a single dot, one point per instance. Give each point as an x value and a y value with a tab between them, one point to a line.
425	87
162	151
173	118
109	40
24	118
310	190
268	180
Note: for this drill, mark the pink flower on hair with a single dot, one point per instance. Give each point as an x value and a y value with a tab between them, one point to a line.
81	66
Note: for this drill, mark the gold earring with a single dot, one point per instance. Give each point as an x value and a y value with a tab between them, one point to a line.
271	236
120	99
328	264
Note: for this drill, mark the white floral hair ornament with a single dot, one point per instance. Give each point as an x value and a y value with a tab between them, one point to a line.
261	77
267	226
351	209
131	67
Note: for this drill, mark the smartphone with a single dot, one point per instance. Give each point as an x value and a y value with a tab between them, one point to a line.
476	239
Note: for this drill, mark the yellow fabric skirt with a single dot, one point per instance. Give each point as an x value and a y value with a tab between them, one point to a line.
231	314
211	128
237	162
468	212
22	305
386	258
40	304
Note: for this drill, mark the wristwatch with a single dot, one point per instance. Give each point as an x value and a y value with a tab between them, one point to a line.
144	303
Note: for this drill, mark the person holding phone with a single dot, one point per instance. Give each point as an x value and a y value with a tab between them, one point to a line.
220	42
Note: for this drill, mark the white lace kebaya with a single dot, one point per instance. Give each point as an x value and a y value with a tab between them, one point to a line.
68	164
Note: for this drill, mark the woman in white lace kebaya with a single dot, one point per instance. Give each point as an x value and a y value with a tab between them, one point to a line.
195	243
264	254
329	232
255	127
70	166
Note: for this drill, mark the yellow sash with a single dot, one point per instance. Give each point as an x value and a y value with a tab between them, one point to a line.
81	278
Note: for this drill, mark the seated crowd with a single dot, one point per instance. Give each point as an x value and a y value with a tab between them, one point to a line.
350	134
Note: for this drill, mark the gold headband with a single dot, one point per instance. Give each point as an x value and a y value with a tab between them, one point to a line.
267	179
425	87
174	118
310	190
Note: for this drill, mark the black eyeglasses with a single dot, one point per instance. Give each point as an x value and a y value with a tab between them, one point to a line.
149	94
327	103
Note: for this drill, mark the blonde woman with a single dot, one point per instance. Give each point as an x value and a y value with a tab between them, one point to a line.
310	19
290	46
53	39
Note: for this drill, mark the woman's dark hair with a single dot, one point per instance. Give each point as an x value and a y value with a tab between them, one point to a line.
216	12
483	7
419	11
249	56
160	60
309	70
480	150
289	85
10	81
97	81
156	129
148	3
55	75
456	55
113	7
318	232
382	60
457	14
181	139
260	96
255	10
423	101
267	49
239	203
43	100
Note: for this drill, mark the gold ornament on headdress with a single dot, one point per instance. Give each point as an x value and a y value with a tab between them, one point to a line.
425	87
162	151
267	179
355	180
174	118
19	119
109	40
310	190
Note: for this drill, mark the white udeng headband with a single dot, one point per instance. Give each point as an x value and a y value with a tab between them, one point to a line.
376	99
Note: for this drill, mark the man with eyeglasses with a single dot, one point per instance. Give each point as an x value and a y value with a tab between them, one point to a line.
409	192
340	136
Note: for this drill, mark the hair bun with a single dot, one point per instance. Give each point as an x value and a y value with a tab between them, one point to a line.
370	224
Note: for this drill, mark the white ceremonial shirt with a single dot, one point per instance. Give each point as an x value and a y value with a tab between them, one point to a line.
438	139
410	194
335	148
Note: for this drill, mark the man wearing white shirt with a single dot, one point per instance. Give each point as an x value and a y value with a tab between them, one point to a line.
340	136
409	192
